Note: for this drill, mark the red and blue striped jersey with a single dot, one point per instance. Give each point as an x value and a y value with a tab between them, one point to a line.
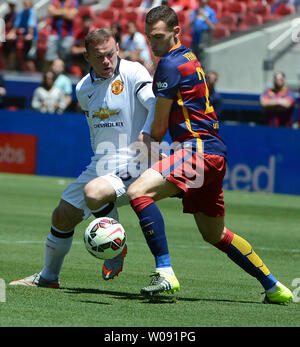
179	76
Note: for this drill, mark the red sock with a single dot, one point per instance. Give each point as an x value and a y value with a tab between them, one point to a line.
139	204
226	241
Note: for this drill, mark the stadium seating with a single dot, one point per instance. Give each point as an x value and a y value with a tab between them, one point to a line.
220	32
234	16
218	7
237	7
118	4
102	23
110	14
85	10
131	16
284	9
183	17
250	20
133	4
229	21
264	11
186	39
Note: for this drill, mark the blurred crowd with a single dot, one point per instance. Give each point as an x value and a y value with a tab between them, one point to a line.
54	46
33	44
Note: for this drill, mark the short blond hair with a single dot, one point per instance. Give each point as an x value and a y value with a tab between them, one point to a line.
98	36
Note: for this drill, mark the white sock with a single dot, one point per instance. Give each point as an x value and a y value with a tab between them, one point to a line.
273	289
166	270
55	251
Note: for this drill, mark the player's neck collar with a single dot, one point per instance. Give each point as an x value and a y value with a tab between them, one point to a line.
95	78
177	45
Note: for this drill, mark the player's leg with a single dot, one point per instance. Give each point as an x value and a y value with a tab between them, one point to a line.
98	193
59	240
101	194
241	252
151	186
70	211
65	217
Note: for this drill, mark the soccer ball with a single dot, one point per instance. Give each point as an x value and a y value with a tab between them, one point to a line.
104	238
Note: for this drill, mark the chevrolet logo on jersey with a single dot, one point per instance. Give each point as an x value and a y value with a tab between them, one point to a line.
105	113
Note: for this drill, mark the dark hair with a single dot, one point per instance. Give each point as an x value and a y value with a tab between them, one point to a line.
163	13
44	79
87	17
98	36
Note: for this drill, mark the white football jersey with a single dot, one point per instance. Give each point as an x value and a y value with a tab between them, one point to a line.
116	108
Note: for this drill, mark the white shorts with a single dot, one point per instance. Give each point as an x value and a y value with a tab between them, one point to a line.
74	195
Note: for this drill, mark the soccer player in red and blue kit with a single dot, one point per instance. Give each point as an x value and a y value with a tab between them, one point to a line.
195	169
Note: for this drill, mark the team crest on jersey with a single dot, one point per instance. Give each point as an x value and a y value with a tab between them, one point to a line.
117	87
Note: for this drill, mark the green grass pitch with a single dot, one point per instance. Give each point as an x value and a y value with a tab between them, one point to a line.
214	291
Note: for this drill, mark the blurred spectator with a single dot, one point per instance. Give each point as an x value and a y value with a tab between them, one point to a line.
61	38
117	31
202	21
2	90
278	103
47	98
10	17
182	5
22	39
135	46
147	5
62	81
215	98
80	66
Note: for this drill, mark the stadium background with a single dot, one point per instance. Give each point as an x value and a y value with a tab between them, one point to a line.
247	49
52	149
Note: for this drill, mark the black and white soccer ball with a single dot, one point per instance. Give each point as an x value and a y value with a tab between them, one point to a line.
105	238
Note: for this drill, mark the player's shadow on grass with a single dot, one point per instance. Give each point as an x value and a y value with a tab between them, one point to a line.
159	299
120	295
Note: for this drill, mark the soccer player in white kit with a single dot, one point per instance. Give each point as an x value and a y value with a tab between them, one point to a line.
116	97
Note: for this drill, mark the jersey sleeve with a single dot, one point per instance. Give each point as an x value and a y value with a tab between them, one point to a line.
143	86
81	100
167	79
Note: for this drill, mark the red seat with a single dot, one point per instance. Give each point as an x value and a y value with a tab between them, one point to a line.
118	4
237	7
132	15
250	20
284	10
134	3
85	10
220	32
102	23
263	10
217	6
110	14
183	17
229	21
186	40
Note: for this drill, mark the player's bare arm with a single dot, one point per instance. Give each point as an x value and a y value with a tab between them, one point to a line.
277	104
161	118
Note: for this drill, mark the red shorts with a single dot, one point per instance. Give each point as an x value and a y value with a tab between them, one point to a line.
200	177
